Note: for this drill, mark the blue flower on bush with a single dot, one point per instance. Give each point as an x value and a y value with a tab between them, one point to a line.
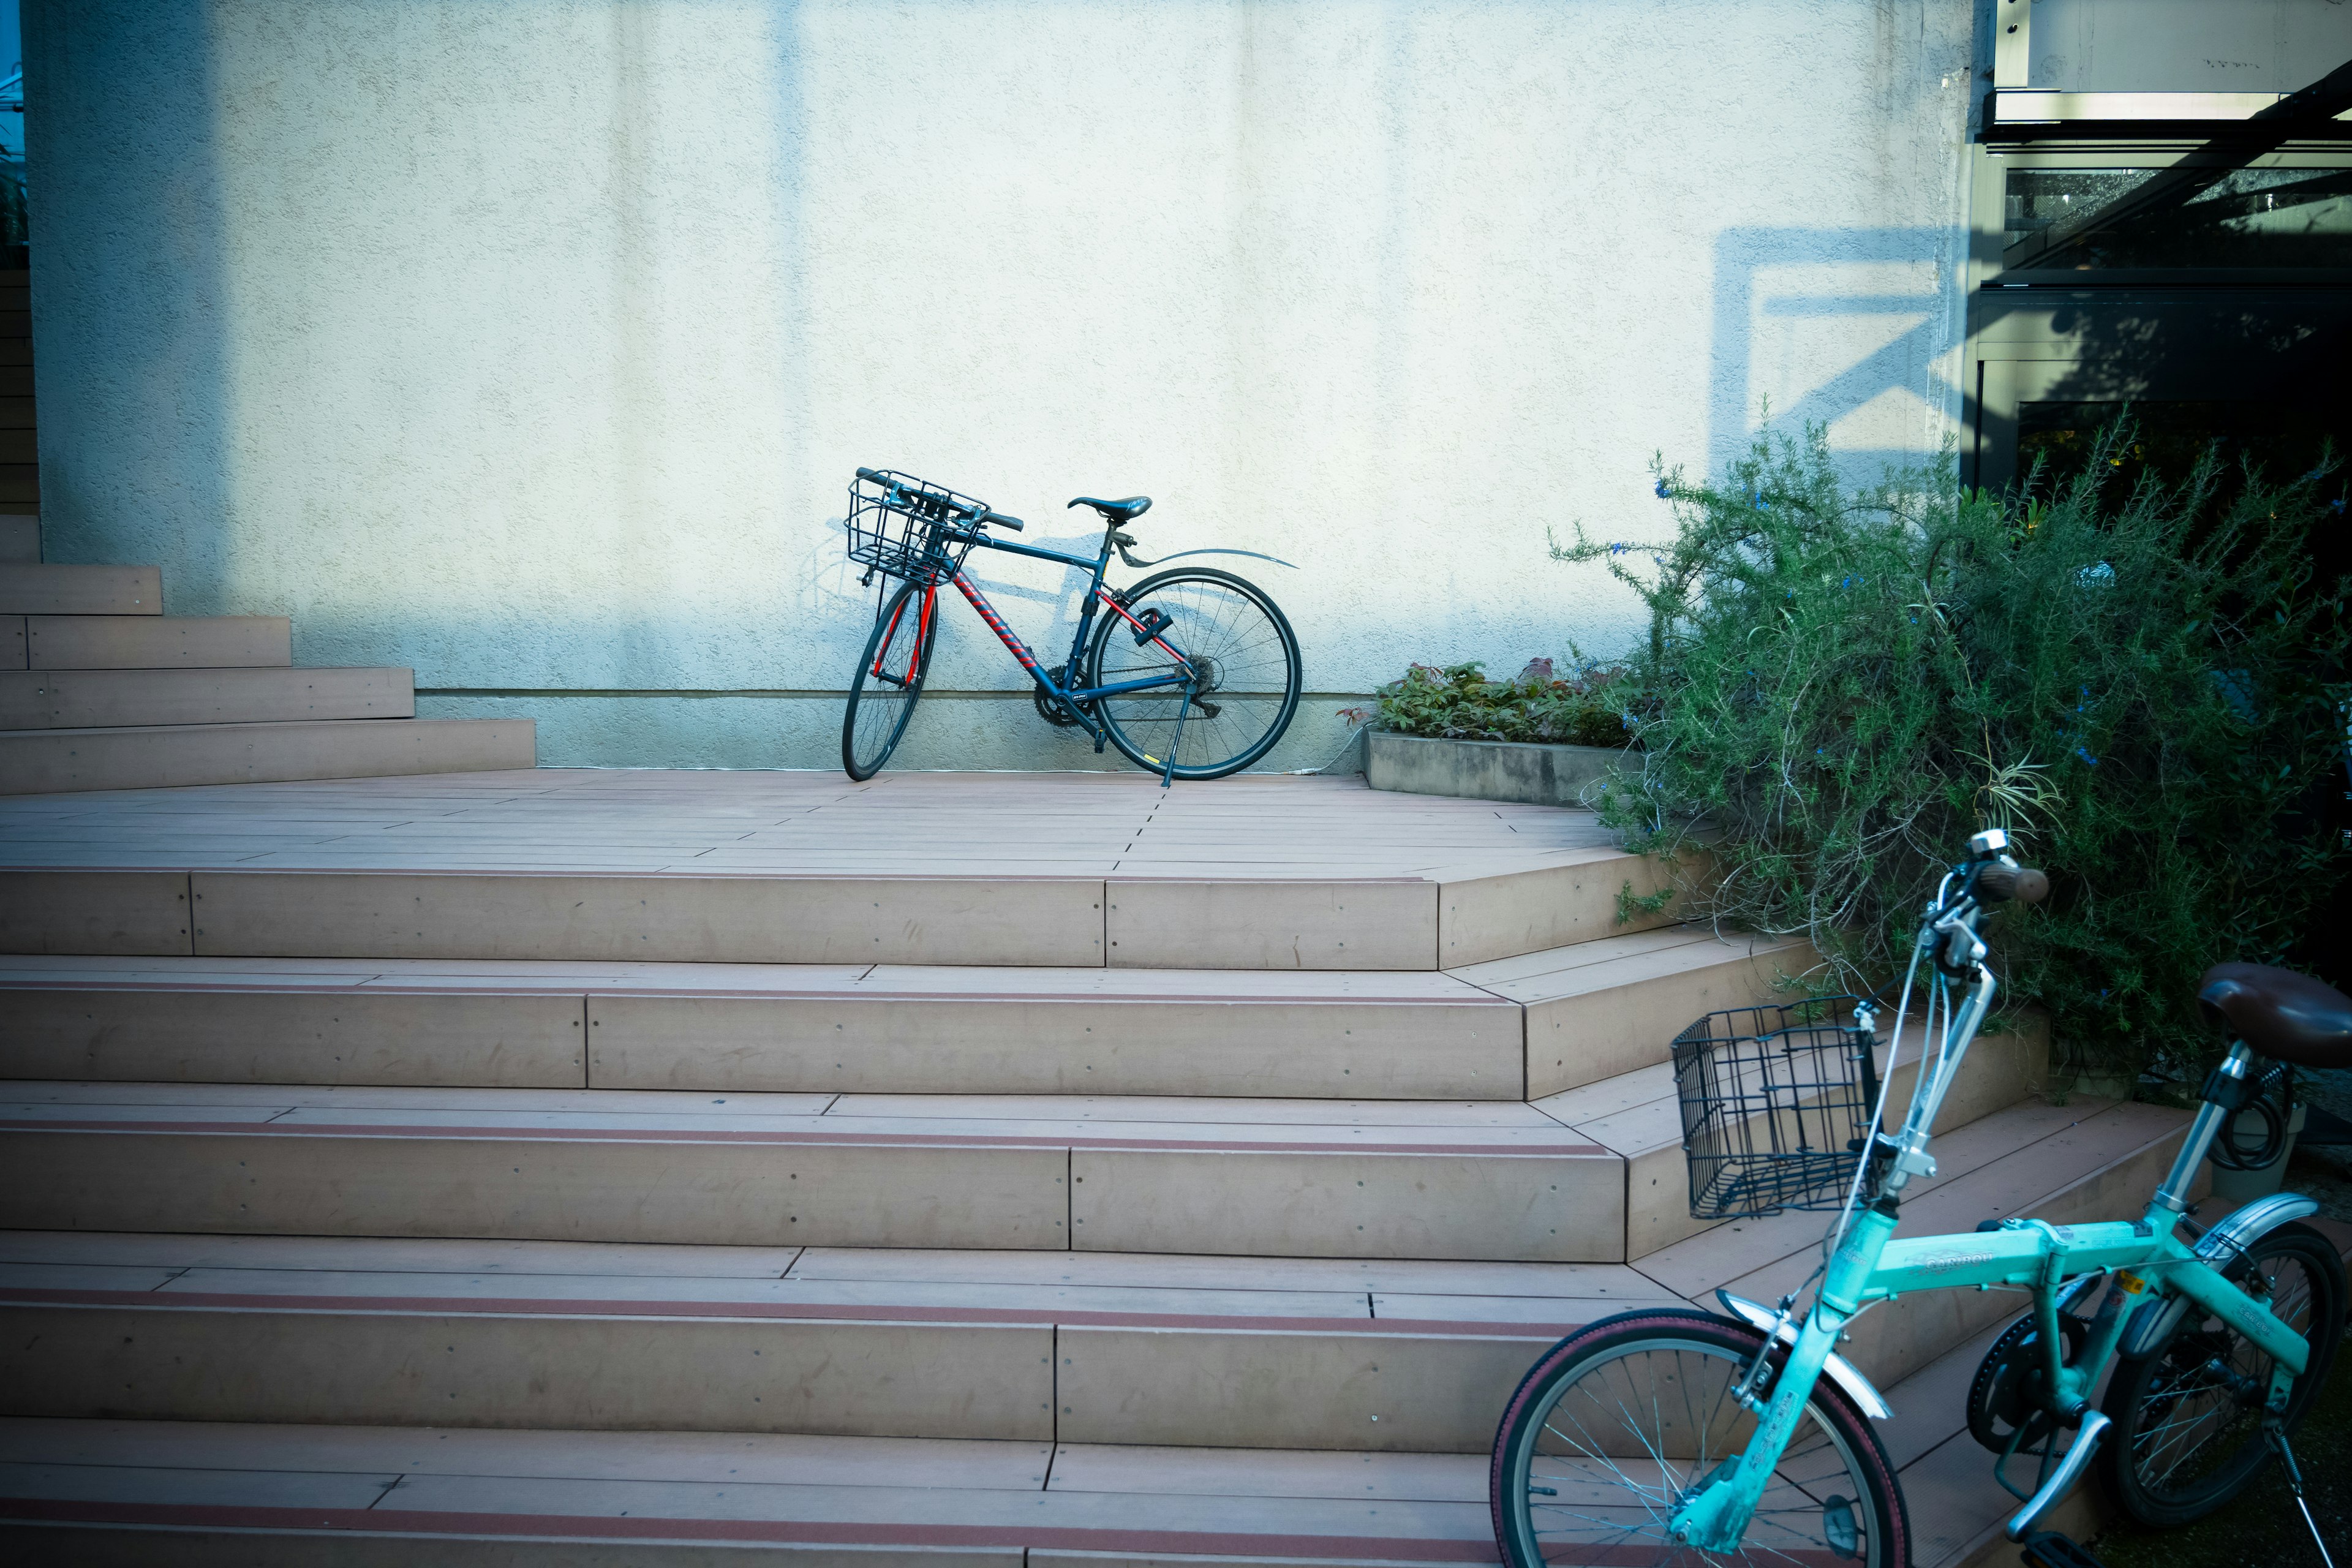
2086	756
1664	493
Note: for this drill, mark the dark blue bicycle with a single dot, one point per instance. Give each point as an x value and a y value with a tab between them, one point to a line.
1192	673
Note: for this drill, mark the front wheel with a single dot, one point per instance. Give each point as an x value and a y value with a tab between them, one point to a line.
2187	1416
1624	1420
889	680
1232	646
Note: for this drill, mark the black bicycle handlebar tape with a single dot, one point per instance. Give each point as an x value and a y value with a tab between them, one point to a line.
1999	885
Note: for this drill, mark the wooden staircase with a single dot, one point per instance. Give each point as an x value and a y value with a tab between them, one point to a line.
625	1168
100	690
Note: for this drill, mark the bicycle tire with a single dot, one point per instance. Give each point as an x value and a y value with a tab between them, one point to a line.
1232	625
1872	1529
2146	1392
887	705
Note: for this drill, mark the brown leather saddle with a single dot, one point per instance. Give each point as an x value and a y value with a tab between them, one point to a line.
2286	1016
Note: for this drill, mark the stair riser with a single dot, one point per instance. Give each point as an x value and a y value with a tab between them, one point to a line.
832	1046
969	1046
1502	916
466	1370
156	642
1583	1039
1999	1071
88	699
1192	1387
106	913
26	590
66	760
467	1041
12	642
710	1194
1223	1200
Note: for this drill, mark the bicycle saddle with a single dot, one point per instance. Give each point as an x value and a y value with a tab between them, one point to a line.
1116	512
2288	1017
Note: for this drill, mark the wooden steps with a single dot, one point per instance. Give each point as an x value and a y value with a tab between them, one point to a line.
112	699
99	691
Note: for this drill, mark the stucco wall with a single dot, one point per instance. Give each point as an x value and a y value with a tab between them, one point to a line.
531	343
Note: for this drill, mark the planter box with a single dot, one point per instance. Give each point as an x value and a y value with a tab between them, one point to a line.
1489	770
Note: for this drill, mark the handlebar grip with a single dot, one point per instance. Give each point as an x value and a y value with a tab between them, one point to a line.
1999	885
872	474
1013	524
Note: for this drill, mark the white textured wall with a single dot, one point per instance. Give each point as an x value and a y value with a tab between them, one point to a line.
531	343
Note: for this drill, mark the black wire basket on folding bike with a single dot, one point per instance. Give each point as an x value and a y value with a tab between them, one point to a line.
901	526
1777	1105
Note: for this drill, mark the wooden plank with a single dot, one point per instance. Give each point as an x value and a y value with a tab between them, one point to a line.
357	1036
12	642
131	912
1243	1388
19	446
17	380
82	590
1290	924
717	1375
388	1182
48	761
20	539
1049	1044
17	414
108	699
1349	1203
158	642
1612	1019
760	919
1498	915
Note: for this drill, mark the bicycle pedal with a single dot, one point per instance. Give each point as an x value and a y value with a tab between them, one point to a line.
2050	1550
1154	622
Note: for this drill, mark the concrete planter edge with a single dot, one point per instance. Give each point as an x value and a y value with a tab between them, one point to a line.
1528	773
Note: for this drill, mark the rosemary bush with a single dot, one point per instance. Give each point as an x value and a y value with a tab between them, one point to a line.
1457	702
1844	683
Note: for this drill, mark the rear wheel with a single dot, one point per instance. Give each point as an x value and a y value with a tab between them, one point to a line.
2189	1414
1238	650
1622	1421
889	680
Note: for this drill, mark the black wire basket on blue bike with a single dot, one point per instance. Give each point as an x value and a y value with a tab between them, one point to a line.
1777	1105
905	527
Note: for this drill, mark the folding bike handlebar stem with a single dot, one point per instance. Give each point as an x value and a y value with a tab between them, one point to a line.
2154	1274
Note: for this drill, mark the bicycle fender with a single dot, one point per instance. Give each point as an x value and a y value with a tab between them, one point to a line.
1144	565
1839	1370
2241	1229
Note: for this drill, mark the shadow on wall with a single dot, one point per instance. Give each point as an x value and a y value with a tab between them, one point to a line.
91	168
1888	302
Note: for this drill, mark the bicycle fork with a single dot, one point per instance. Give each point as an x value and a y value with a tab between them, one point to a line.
1714	1517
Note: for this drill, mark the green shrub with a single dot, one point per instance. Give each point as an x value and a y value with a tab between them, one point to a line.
1847	682
1585	708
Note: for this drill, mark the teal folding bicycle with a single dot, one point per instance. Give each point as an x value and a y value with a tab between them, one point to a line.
1680	1437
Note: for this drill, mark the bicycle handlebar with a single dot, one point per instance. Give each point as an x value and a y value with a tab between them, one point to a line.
976	516
1998	884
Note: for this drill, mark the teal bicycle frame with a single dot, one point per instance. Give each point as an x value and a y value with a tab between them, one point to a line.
2155	1275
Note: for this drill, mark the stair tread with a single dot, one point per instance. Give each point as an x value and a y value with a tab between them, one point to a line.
875	1284
1560	973
1496	1127
941	982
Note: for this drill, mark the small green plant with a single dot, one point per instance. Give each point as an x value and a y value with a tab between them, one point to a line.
2139	684
1587	707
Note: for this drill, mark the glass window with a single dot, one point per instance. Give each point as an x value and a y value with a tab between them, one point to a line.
2242	218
